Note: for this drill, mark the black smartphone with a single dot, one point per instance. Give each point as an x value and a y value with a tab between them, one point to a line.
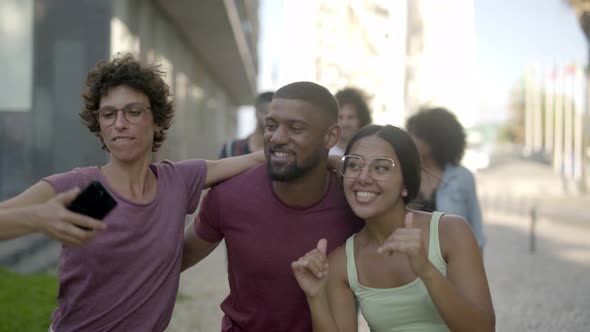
94	201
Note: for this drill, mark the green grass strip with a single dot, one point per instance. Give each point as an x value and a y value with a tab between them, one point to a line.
26	301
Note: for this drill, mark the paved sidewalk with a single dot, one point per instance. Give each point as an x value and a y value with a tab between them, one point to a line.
202	289
544	290
548	290
518	186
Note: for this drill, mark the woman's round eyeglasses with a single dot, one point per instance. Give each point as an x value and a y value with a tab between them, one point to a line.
133	113
380	168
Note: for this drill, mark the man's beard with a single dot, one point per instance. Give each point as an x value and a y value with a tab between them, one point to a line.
293	171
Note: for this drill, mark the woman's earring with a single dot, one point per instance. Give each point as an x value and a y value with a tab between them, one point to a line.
404	193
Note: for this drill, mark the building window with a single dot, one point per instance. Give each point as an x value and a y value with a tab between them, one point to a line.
16	55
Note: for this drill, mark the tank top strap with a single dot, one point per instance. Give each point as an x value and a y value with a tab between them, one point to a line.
434	253
351	265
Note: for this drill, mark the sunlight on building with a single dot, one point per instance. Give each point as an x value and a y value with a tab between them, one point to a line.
441	57
341	44
122	40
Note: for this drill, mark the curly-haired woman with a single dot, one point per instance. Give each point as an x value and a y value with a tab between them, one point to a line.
120	274
446	185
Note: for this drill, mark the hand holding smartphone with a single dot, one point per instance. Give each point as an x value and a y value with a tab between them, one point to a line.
94	201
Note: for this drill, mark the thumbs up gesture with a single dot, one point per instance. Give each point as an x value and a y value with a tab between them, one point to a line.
311	270
409	240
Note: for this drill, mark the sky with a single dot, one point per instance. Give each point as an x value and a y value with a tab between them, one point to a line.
511	34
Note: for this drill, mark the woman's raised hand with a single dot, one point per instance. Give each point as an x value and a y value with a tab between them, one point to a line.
409	240
311	270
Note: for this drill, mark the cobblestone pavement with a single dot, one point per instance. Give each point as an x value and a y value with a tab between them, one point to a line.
202	289
544	290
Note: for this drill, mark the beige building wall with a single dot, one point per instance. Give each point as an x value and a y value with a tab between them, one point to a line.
441	65
358	43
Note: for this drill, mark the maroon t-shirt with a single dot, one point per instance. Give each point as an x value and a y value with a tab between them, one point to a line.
126	278
263	236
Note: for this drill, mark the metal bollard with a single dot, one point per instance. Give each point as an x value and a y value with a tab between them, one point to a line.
532	238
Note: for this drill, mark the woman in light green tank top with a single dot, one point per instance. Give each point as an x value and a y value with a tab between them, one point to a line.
408	270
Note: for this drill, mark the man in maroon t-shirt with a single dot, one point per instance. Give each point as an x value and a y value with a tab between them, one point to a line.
271	217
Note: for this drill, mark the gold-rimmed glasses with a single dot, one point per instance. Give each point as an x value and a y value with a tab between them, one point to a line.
380	168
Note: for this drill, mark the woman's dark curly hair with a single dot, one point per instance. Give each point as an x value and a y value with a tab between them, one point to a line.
442	131
356	98
126	70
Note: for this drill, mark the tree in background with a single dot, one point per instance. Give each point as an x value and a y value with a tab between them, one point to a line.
582	8
513	130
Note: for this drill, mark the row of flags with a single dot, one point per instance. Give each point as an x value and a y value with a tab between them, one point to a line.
556	116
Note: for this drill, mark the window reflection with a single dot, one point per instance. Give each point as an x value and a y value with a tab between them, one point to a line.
16	54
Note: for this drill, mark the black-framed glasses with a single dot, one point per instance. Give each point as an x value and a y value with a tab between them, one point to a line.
133	113
380	168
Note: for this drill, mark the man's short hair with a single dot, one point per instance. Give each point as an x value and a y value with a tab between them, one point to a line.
264	98
312	93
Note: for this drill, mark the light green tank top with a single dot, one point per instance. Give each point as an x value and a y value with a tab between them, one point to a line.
406	308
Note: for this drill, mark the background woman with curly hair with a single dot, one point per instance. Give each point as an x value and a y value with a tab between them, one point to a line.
446	185
122	273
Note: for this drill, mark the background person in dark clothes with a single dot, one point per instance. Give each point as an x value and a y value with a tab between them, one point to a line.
254	141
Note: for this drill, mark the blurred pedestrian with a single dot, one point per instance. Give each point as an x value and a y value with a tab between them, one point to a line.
446	185
255	141
354	114
122	273
271	215
409	270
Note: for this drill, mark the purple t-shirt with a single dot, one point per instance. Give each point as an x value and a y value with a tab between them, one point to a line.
263	236
127	277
